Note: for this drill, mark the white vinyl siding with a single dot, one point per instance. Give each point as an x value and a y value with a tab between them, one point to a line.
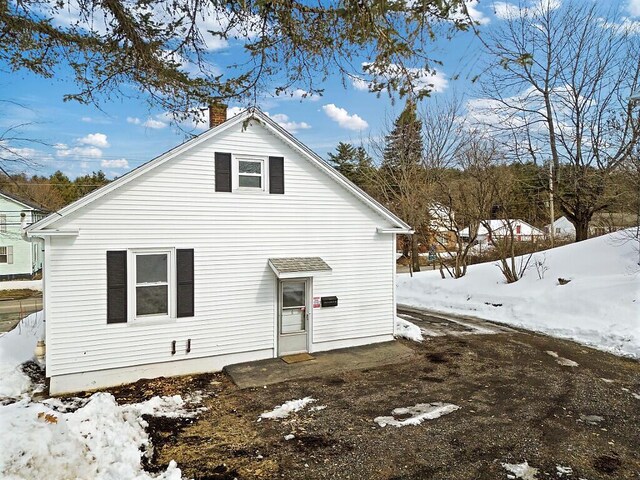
233	235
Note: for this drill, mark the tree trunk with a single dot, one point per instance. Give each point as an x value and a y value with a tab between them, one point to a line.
415	257
406	244
582	229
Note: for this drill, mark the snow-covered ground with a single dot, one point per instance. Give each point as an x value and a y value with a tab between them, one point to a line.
416	414
17	347
600	306
17	284
56	439
408	330
287	408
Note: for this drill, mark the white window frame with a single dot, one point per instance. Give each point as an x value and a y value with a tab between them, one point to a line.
8	253
236	173
132	285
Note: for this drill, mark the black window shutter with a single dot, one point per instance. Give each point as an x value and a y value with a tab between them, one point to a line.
117	287
223	172
276	175
185	300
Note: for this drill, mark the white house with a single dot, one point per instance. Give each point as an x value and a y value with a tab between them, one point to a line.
522	231
19	258
238	245
562	228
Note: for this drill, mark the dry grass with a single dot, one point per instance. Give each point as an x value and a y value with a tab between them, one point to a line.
19	294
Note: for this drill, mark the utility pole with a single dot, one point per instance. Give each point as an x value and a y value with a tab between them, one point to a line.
552	212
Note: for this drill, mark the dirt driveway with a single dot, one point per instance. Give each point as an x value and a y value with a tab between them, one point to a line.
517	403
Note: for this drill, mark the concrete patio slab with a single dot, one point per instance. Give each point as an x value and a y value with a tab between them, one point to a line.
274	370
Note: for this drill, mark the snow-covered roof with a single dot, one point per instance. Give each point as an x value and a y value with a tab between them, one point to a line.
501	226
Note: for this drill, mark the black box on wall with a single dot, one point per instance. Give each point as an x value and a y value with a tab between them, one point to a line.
329	301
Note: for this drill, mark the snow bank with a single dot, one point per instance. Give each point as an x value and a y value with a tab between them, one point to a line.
101	440
600	306
417	414
17	284
60	439
408	330
287	408
17	347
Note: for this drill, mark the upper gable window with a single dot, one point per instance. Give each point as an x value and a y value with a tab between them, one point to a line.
251	174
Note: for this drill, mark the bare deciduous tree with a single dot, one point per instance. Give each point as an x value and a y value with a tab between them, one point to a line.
558	91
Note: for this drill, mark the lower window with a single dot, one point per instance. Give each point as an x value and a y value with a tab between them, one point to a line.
152	284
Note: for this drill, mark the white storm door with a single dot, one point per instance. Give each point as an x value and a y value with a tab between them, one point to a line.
293	321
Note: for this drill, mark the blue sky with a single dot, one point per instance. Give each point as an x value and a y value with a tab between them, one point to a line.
78	139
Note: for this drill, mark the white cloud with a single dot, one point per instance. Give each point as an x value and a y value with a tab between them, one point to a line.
633	7
95	140
155	124
626	25
280	118
98	121
233	111
506	10
473	12
158	122
283	120
17	153
360	84
420	78
120	163
343	118
198	120
77	152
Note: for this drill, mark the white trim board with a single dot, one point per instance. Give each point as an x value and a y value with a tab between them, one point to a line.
77	382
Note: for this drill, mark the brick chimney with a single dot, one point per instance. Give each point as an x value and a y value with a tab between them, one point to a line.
217	114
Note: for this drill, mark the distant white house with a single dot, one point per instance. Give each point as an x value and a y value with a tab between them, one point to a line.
522	231
19	258
238	245
562	229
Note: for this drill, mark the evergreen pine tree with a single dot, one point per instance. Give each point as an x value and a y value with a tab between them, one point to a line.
353	162
404	145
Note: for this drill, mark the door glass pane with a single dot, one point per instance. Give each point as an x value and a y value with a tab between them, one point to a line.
293	294
151	268
250	181
292	320
152	300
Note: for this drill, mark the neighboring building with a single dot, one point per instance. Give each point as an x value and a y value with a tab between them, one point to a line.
601	223
563	229
442	227
19	258
439	236
608	222
238	245
522	231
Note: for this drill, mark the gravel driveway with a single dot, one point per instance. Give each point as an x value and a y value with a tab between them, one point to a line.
567	410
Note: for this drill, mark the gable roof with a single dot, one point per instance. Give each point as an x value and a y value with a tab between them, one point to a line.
29	205
249	114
